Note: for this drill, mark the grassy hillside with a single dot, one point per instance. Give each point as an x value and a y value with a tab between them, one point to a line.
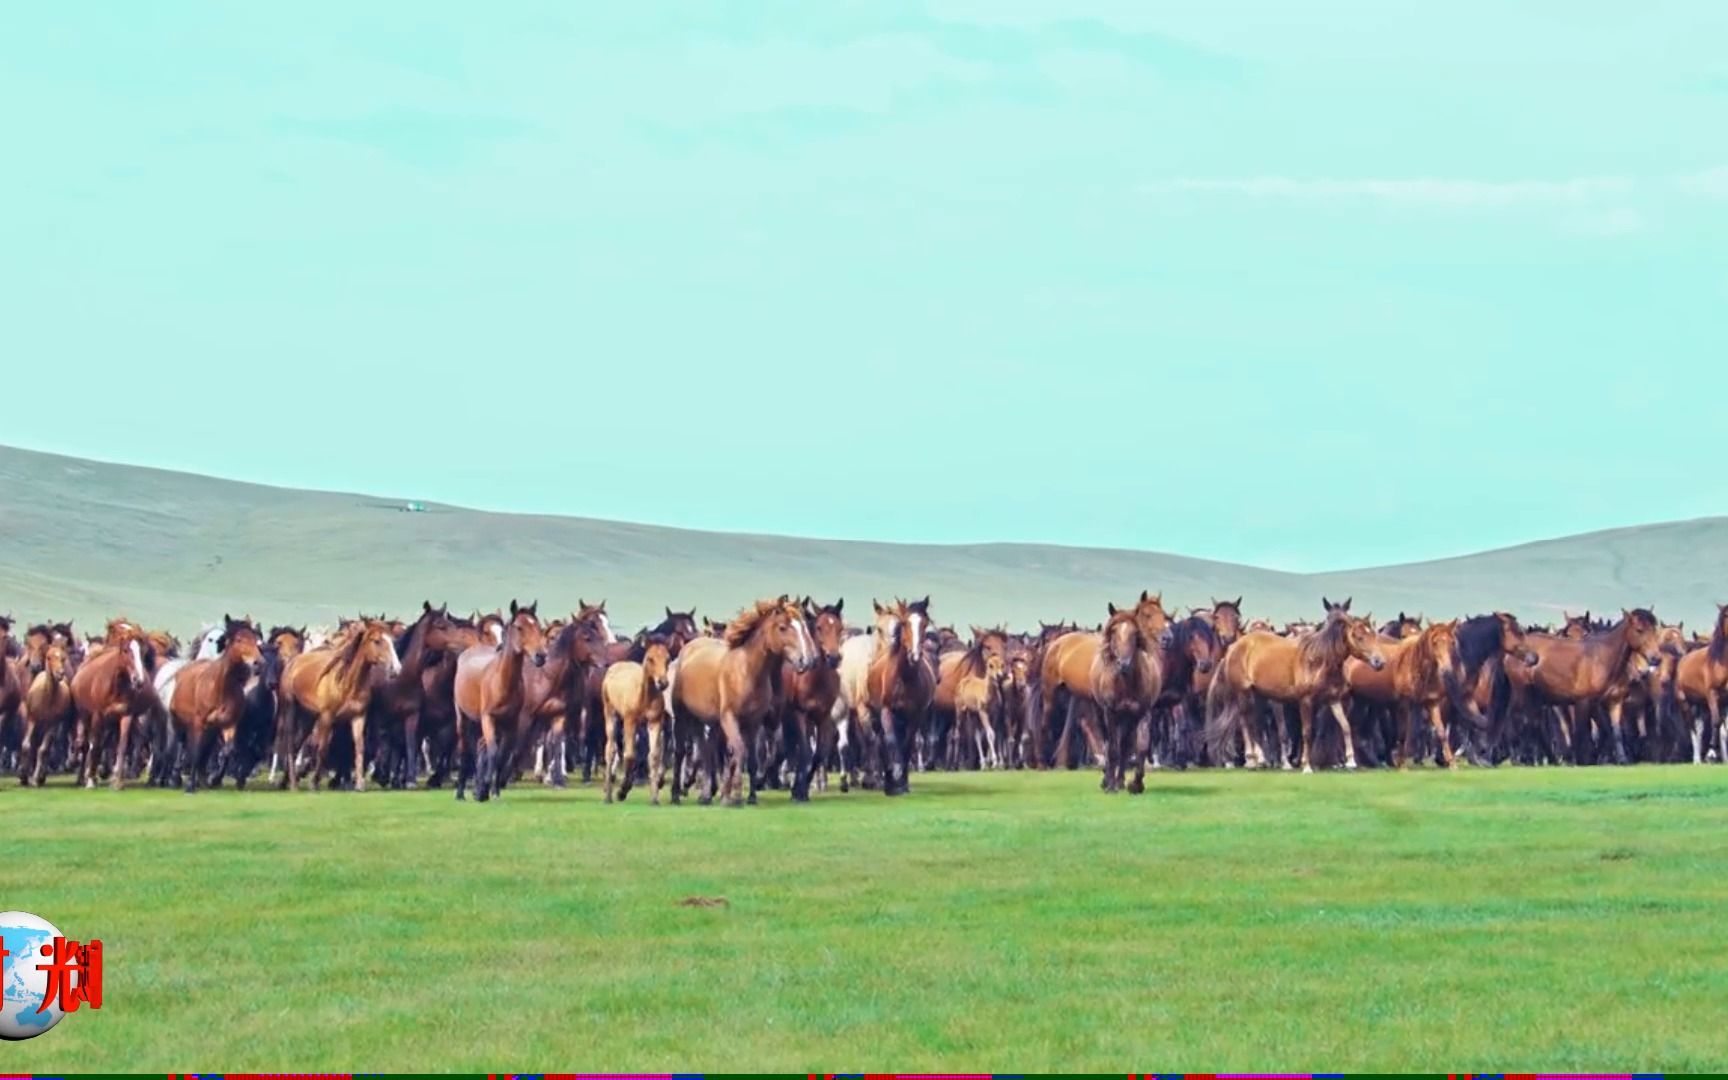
86	539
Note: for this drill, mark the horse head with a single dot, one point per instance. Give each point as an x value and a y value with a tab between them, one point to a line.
524	633
242	644
657	661
827	629
1123	638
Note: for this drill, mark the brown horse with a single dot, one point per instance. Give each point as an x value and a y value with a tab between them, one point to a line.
399	699
1579	674
1154	623
809	696
112	689
1421	674
978	701
210	697
900	688
48	708
731	682
552	693
1226	617
490	692
1304	670
1115	675
328	685
634	694
1700	684
1187	659
963	662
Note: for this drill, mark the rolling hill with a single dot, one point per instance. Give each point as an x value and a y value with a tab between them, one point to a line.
85	539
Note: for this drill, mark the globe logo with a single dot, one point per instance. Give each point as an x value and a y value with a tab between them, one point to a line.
23	936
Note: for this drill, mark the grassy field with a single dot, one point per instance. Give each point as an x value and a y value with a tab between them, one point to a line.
1515	919
87	540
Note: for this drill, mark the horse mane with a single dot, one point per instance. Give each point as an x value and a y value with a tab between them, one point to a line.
740	629
1192	627
348	652
1319	647
1478	639
1718	641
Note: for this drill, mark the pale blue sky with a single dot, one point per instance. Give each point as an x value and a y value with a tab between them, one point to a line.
1309	286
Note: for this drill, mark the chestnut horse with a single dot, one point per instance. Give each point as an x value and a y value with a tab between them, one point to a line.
963	662
331	684
808	697
900	688
1581	673
1700	684
1114	673
634	695
490	694
1154	623
210	697
978	701
1422	674
113	688
1303	670
48	708
732	682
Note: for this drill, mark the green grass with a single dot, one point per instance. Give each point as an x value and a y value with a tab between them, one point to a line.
1515	919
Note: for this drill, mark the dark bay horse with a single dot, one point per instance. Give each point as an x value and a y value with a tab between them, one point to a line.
1115	675
1305	670
490	692
1187	658
210	699
732	683
399	698
808	697
577	657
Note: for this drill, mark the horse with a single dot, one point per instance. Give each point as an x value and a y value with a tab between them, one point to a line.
978	700
1303	670
210	697
1115	675
551	693
962	662
1020	743
112	687
808	697
48	707
733	682
1485	643
633	695
13	682
1421	674
900	688
490	693
399	698
328	685
1700	683
1226	619
438	692
1187	657
1403	627
1581	673
1154	623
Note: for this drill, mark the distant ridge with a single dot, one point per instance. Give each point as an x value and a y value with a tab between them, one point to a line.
84	540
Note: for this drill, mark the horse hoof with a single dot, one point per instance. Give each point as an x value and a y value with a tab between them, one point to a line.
705	800
734	801
751	800
1307	770
1350	765
1137	788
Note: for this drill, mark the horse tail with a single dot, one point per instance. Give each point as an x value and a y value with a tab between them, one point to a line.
1223	718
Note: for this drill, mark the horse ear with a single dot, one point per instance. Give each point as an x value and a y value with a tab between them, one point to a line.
877	604
512	607
425	607
1238	603
668	613
1112	608
839	605
1144	596
534	608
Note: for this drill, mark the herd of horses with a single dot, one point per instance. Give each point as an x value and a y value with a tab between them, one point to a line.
788	693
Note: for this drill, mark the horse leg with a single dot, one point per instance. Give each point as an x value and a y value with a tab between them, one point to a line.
320	747
1343	719
195	748
739	758
486	756
1437	723
1141	733
1305	708
889	747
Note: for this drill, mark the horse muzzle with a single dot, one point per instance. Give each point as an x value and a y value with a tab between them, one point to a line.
1204	667
540	659
1377	662
1531	659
